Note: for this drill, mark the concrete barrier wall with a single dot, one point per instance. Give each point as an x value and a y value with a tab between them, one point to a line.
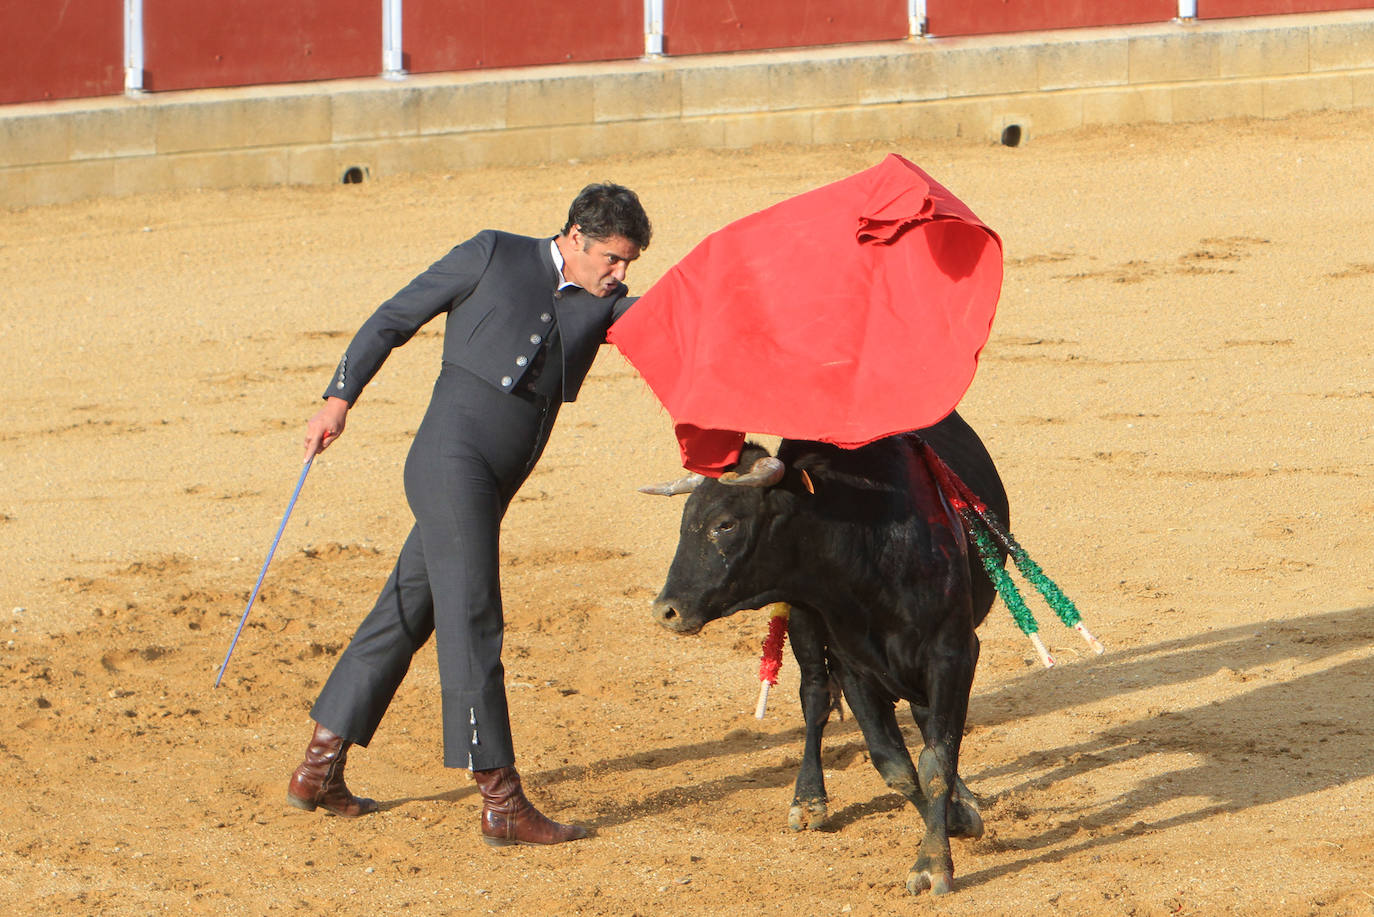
969	88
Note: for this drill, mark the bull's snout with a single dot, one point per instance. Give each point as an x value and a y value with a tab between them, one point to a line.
668	616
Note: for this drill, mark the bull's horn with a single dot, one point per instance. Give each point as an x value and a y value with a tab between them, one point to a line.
672	488
766	472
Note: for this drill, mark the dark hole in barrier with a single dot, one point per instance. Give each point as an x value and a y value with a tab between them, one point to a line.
354	175
1011	135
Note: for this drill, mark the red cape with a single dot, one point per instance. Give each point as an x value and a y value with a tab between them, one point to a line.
843	315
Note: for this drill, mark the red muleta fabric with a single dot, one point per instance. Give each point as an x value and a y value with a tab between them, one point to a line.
843	315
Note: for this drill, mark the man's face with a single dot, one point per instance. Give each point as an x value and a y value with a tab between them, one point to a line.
597	266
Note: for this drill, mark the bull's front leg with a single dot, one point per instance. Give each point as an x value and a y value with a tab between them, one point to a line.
934	866
949	680
965	815
872	707
809	803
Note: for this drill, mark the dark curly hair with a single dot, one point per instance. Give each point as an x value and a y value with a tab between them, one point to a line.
603	210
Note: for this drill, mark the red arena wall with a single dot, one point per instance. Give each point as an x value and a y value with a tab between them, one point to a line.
62	49
444	35
986	17
1227	9
709	26
52	50
189	44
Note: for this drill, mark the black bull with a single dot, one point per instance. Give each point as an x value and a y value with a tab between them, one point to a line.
885	591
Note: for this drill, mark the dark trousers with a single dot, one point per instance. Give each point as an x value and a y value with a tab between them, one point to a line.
472	452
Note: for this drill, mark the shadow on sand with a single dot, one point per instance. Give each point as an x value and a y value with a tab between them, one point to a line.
1279	740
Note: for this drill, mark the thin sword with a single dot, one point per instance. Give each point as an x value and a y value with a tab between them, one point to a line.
270	551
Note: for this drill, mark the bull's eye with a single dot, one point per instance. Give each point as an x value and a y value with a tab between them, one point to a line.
724	527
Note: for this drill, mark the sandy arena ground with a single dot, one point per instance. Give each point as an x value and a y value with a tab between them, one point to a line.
1179	390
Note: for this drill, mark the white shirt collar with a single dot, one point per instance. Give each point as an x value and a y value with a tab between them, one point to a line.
558	263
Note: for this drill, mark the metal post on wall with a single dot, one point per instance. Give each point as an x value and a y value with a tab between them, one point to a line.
393	58
916	18
653	28
133	47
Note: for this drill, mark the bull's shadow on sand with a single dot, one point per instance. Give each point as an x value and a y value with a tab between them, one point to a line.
1279	740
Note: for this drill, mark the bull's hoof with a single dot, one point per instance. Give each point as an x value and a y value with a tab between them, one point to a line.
934	874
809	814
964	820
939	882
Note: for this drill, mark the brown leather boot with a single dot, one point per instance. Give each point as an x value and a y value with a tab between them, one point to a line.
508	818
319	781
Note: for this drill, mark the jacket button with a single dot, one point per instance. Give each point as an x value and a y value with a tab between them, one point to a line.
535	339
506	381
521	361
546	317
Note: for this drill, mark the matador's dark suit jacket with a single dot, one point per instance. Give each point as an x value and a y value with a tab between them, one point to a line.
502	292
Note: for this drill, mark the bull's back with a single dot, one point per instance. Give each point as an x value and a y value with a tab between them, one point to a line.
963	450
889	460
